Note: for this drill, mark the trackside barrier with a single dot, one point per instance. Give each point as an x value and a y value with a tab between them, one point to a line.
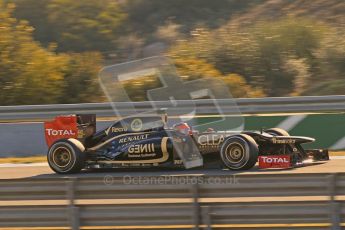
319	117
205	106
299	201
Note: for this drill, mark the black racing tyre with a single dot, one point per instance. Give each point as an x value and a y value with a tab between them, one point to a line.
239	152
64	157
277	132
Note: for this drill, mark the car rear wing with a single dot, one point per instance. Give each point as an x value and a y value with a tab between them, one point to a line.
79	126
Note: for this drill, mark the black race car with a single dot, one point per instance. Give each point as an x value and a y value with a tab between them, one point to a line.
146	142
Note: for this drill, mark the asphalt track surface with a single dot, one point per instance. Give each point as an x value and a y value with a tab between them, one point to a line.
42	170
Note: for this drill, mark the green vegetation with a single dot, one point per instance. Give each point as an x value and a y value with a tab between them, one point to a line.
32	74
282	58
51	50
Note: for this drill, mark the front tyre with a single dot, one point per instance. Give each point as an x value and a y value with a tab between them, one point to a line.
64	157
239	152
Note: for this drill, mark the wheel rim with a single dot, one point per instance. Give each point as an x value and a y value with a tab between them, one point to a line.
234	153
62	157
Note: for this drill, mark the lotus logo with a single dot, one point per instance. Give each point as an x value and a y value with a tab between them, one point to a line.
137	125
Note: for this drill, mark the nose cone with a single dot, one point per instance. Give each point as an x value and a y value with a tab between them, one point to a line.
300	139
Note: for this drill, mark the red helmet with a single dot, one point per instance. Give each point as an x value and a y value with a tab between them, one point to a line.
182	128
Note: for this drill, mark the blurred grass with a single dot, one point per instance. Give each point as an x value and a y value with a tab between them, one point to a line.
23	160
337	153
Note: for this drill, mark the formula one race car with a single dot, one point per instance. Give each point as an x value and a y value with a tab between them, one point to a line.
146	142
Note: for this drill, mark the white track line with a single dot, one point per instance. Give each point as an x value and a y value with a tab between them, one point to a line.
337	157
340	144
11	165
291	122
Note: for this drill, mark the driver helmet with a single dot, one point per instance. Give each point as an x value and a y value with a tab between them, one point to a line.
183	128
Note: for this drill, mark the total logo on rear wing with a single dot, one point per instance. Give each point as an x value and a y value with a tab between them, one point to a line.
69	126
61	127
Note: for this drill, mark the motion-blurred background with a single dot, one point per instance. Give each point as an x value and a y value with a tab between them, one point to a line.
52	50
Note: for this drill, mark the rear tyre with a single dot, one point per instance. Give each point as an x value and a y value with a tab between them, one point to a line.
64	157
239	152
277	132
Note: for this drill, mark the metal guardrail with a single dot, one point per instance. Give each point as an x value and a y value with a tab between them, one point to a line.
204	107
299	201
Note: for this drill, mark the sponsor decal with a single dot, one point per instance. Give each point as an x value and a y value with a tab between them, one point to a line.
60	132
61	127
118	130
210	140
145	148
177	140
143	155
178	162
154	161
133	138
123	139
136	125
276	161
283	141
81	133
